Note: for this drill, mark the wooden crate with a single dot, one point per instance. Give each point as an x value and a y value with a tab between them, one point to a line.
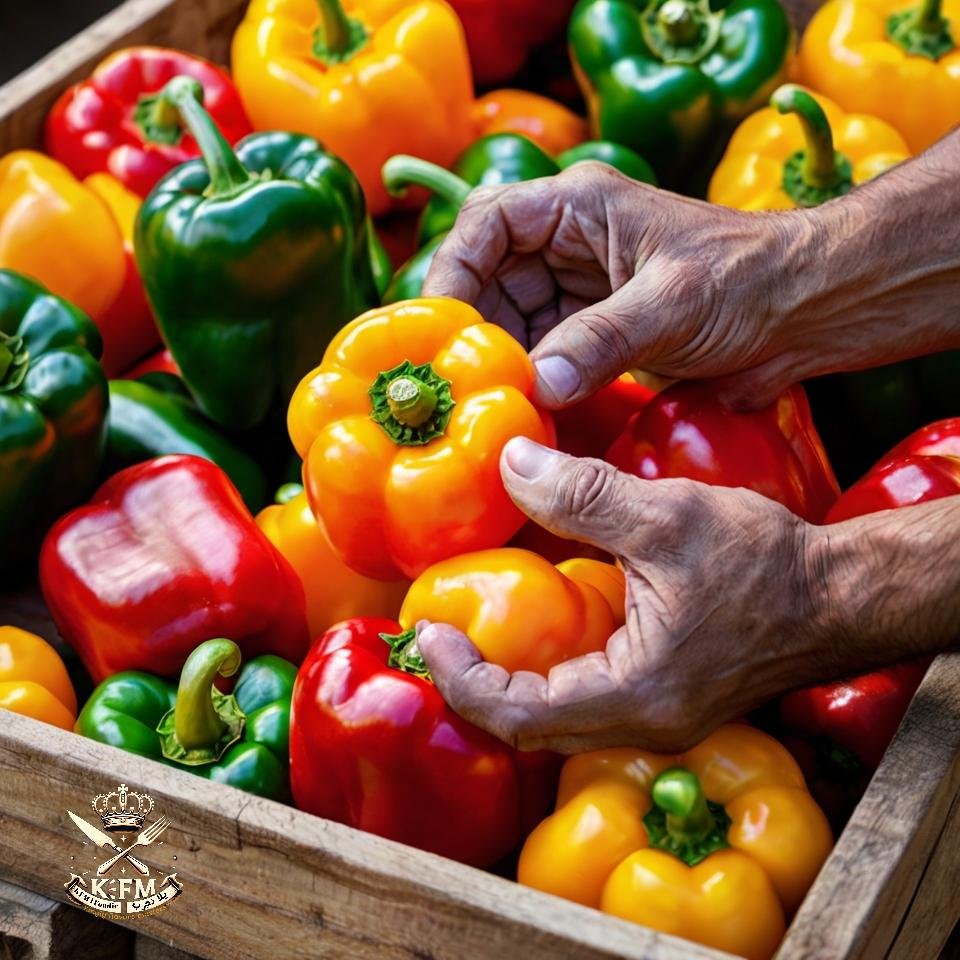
264	879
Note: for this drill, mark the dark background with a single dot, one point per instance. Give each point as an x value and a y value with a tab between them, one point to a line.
31	28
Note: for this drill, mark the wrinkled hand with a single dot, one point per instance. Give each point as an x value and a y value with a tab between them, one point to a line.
600	274
720	612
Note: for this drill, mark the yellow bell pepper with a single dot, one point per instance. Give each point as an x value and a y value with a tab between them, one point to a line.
519	610
334	592
801	151
893	59
59	232
719	844
33	679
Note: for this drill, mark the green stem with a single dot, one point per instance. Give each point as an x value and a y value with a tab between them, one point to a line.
820	164
227	174
680	31
288	492
411	403
338	37
404	171
405	654
922	31
158	120
678	22
930	17
14	360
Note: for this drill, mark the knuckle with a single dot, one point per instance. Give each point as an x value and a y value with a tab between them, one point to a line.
606	339
585	488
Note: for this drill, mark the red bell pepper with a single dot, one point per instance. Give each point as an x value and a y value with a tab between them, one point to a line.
113	122
374	746
685	432
501	34
163	557
160	362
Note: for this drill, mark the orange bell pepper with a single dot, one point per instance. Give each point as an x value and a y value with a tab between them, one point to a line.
334	592
58	232
801	151
719	844
127	326
400	430
368	78
549	124
894	59
33	679
520	611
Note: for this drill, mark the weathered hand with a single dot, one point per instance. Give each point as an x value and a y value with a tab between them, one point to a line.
719	612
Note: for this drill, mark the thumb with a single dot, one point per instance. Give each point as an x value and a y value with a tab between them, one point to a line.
576	498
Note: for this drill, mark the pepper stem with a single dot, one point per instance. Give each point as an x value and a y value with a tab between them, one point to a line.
404	171
682	821
227	174
405	654
14	360
338	37
158	120
287	492
411	404
922	31
680	31
677	22
203	722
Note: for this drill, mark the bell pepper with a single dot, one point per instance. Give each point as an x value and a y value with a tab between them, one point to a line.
160	362
400	429
501	34
34	680
494	159
163	557
114	122
892	59
127	325
334	592
520	611
53	407
718	845
241	738
373	745
59	232
685	432
145	422
669	77
367	78
252	261
801	151
550	125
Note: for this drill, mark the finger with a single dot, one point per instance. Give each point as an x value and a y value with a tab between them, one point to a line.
757	387
577	498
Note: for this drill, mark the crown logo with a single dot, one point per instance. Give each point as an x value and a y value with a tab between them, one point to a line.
121	809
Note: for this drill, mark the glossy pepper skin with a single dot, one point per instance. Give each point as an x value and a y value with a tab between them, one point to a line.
893	59
163	557
53	408
718	845
668	77
520	611
250	276
549	124
34	680
685	432
145	422
494	159
241	738
336	71
59	232
334	592
374	746
401	428
113	122
801	151
127	325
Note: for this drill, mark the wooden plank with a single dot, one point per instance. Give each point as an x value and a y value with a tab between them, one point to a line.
199	26
255	871
867	887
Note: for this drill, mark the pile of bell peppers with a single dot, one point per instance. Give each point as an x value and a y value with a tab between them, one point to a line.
198	308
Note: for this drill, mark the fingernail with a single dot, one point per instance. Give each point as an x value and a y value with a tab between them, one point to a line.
558	377
527	459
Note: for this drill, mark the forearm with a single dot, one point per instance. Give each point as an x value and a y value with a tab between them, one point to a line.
886	586
877	274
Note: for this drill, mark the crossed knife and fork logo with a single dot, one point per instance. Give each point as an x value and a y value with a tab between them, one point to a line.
144	839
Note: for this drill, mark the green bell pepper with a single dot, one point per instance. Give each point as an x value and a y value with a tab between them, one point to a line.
670	78
252	261
145	422
241	739
53	406
494	159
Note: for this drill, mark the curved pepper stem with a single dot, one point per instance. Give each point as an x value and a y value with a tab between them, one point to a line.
14	360
338	37
682	821
227	174
922	31
412	404
158	120
818	172
203	722
404	171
